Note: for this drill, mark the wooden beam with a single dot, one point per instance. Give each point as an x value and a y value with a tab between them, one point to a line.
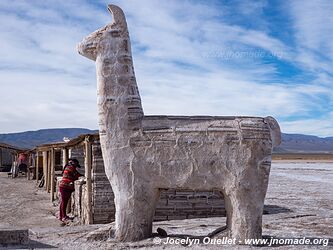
37	165
65	156
88	164
15	164
48	171
28	166
0	157
45	168
52	170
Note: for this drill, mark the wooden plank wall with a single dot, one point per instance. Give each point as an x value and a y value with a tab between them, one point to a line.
78	153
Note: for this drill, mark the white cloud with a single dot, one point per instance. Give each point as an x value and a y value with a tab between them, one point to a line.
313	33
178	50
38	101
320	126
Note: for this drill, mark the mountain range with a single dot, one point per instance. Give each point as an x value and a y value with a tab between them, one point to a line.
299	143
31	139
291	143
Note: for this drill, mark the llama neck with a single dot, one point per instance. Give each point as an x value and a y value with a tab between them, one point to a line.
119	102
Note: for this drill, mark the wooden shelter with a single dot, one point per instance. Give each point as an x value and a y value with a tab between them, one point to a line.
8	156
48	164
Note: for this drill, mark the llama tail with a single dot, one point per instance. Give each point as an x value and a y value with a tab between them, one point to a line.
275	130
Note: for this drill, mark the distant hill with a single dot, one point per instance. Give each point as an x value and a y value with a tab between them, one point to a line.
30	139
291	143
299	143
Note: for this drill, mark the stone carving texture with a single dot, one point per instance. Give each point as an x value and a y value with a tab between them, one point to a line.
145	154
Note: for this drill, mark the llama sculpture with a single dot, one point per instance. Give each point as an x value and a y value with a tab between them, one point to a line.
146	154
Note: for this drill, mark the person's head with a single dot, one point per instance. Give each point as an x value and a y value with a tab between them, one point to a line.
74	162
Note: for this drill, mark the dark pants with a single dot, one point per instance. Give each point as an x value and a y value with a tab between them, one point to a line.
65	196
23	168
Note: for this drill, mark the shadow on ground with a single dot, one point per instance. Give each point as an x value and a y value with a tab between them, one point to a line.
274	209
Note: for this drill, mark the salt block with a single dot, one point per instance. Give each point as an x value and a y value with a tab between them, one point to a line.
13	236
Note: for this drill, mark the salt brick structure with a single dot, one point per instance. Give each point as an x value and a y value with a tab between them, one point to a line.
146	154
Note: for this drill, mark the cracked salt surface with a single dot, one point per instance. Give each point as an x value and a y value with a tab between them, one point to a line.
305	171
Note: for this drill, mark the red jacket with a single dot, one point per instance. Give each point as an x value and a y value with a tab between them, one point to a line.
70	174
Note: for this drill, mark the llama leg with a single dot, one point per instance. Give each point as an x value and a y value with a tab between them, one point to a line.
135	213
244	214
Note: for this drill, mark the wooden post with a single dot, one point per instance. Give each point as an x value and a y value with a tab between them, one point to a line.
45	168
29	166
0	157
64	156
87	164
15	167
37	165
48	171
52	170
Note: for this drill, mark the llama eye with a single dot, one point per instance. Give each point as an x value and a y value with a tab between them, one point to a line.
90	44
115	33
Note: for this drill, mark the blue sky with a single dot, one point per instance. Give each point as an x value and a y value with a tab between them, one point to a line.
224	57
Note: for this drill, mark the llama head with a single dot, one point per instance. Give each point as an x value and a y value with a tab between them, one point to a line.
274	130
108	40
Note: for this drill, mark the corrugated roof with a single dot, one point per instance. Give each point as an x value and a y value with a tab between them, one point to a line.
80	139
71	143
51	145
5	145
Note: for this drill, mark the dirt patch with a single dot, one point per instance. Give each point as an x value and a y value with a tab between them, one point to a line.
24	205
299	157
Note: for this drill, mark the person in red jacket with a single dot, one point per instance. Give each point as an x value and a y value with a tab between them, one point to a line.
66	186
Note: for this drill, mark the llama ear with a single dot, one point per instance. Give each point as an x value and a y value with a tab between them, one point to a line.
118	15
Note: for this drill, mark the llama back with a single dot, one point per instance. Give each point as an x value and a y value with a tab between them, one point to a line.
245	128
197	149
